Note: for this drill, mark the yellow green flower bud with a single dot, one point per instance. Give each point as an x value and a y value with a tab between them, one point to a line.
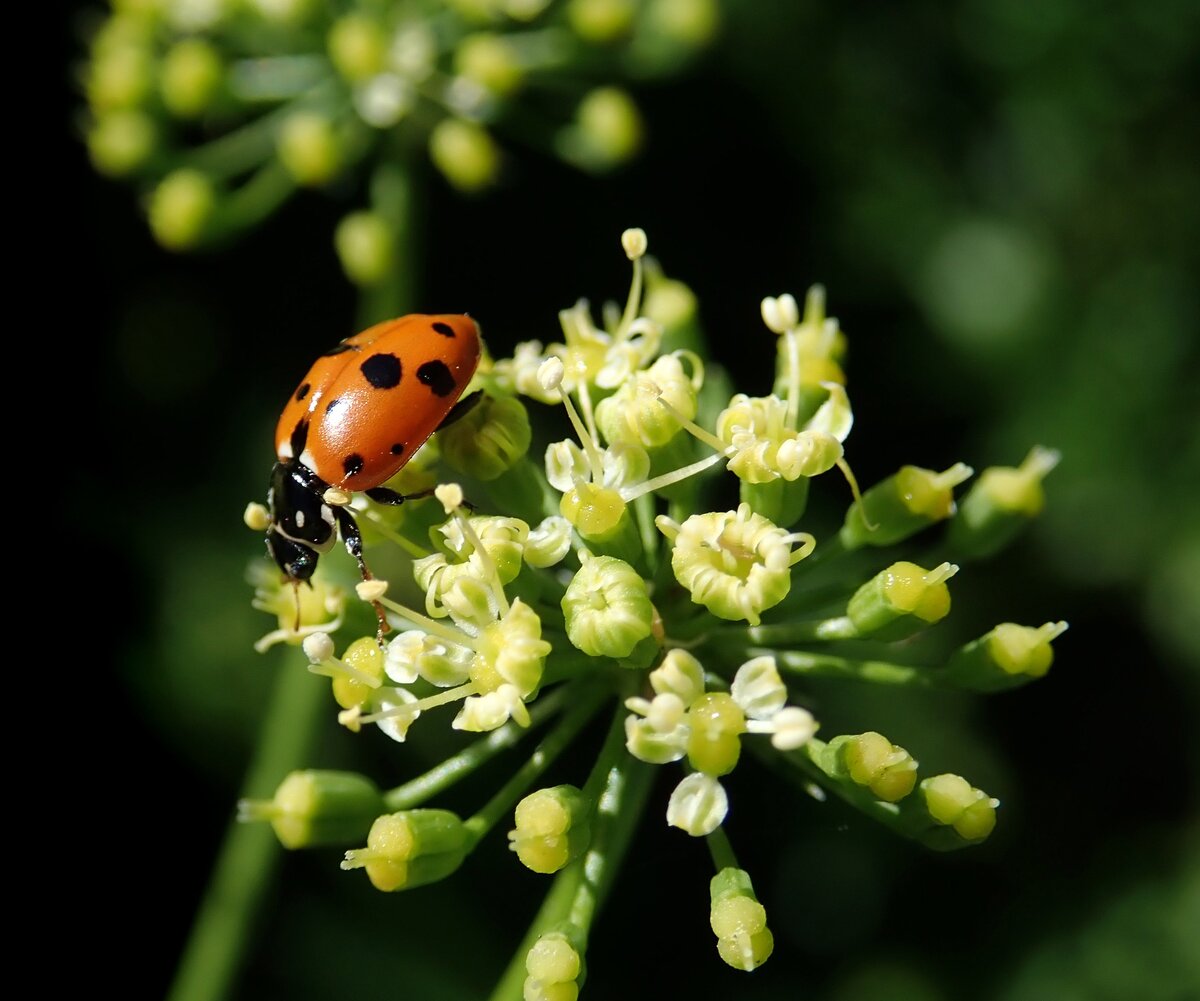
607	130
191	76
365	656
357	47
671	304
901	505
554	965
736	564
600	20
181	207
633	414
366	248
411	848
491	61
1009	655
901	600
309	148
551	828
489	439
738	920
607	608
465	153
952	800
121	141
598	513
510	651
120	76
1000	504
287	12
716	723
314	808
872	760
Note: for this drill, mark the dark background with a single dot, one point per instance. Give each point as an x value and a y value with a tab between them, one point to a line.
1002	201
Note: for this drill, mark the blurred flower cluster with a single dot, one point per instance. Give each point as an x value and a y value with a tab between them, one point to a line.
648	569
220	109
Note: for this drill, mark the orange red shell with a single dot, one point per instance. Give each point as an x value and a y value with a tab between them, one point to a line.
368	404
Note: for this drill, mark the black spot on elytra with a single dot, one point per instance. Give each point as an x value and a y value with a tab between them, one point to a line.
332	403
340	349
398	448
437	376
382	371
299	438
443	328
302	391
352	464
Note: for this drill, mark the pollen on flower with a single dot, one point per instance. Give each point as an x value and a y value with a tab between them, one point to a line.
256	517
371	590
450	495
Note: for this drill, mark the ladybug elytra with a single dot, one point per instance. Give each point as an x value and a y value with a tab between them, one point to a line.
357	417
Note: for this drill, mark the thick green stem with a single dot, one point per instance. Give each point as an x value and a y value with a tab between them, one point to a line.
222	932
721	850
394	199
585	700
249	856
822	665
446	773
581	888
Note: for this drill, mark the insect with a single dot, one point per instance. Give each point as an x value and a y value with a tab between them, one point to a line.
356	418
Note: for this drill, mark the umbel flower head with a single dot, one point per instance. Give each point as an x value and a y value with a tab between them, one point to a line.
222	110
595	574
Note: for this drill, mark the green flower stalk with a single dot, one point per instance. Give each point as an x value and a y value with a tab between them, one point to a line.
602	575
318	808
252	101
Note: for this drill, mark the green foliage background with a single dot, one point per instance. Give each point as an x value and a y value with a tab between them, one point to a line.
1003	200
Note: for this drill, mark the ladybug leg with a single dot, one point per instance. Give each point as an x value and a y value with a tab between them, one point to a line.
461	409
352	537
384	495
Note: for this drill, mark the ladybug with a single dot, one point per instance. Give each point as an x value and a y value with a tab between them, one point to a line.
357	417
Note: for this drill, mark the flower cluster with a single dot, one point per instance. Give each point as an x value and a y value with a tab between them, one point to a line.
600	580
222	109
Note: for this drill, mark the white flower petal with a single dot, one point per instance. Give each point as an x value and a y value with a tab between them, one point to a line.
794	727
397	726
758	689
698	805
649	745
679	674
